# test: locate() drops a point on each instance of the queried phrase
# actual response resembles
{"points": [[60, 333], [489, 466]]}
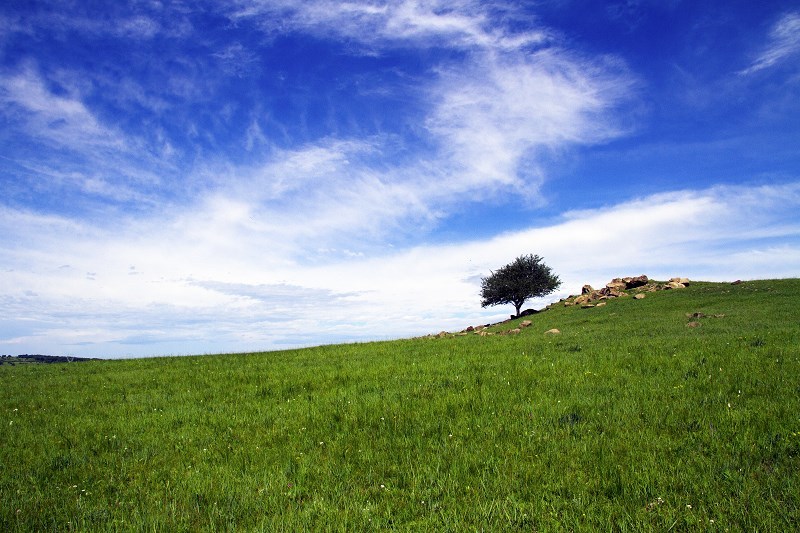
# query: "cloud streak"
{"points": [[783, 44], [376, 25]]}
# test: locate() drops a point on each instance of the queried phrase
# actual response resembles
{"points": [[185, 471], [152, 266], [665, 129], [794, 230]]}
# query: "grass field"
{"points": [[627, 420]]}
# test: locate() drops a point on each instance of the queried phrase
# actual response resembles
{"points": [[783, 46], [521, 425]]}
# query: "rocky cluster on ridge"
{"points": [[636, 287], [617, 287]]}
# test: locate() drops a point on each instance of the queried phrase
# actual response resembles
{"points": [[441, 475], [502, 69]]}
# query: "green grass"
{"points": [[627, 420]]}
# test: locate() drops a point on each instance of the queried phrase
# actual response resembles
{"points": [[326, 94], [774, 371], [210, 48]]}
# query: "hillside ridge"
{"points": [[637, 287]]}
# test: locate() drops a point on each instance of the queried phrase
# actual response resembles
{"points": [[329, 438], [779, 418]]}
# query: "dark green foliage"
{"points": [[526, 277]]}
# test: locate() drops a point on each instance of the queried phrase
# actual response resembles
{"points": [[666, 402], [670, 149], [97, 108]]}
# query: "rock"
{"points": [[469, 329], [515, 331], [442, 334], [528, 312], [693, 325], [638, 281], [601, 304], [553, 331], [703, 315], [611, 293], [737, 282], [617, 287], [525, 323], [617, 284]]}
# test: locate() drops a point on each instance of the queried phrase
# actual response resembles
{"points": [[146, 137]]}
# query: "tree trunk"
{"points": [[518, 306]]}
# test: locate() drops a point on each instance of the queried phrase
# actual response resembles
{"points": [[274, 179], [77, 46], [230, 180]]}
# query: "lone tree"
{"points": [[527, 277]]}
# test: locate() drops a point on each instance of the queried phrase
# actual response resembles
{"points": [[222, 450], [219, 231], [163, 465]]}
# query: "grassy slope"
{"points": [[627, 420]]}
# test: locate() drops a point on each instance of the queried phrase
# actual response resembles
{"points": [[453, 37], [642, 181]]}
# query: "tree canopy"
{"points": [[526, 277]]}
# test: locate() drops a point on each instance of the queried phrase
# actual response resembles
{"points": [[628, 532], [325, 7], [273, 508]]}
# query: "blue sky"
{"points": [[206, 177]]}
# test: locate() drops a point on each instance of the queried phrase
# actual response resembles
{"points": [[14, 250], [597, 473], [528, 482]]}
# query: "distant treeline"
{"points": [[37, 358]]}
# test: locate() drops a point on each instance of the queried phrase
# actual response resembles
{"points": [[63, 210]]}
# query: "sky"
{"points": [[244, 175]]}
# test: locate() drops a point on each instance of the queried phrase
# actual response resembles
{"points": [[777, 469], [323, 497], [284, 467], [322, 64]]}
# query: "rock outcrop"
{"points": [[619, 288], [589, 298]]}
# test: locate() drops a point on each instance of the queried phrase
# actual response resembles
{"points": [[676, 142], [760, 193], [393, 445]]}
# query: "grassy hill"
{"points": [[627, 419]]}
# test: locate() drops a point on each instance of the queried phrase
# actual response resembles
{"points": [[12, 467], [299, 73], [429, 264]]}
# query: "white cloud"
{"points": [[69, 147], [459, 23], [487, 118], [137, 27], [492, 114], [127, 22], [783, 43], [488, 122], [227, 286], [64, 120], [489, 115]]}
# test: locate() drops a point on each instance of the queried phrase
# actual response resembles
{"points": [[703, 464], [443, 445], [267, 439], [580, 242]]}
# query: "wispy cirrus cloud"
{"points": [[783, 43], [482, 117], [135, 21], [66, 145], [485, 117], [461, 24], [492, 116], [61, 119]]}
